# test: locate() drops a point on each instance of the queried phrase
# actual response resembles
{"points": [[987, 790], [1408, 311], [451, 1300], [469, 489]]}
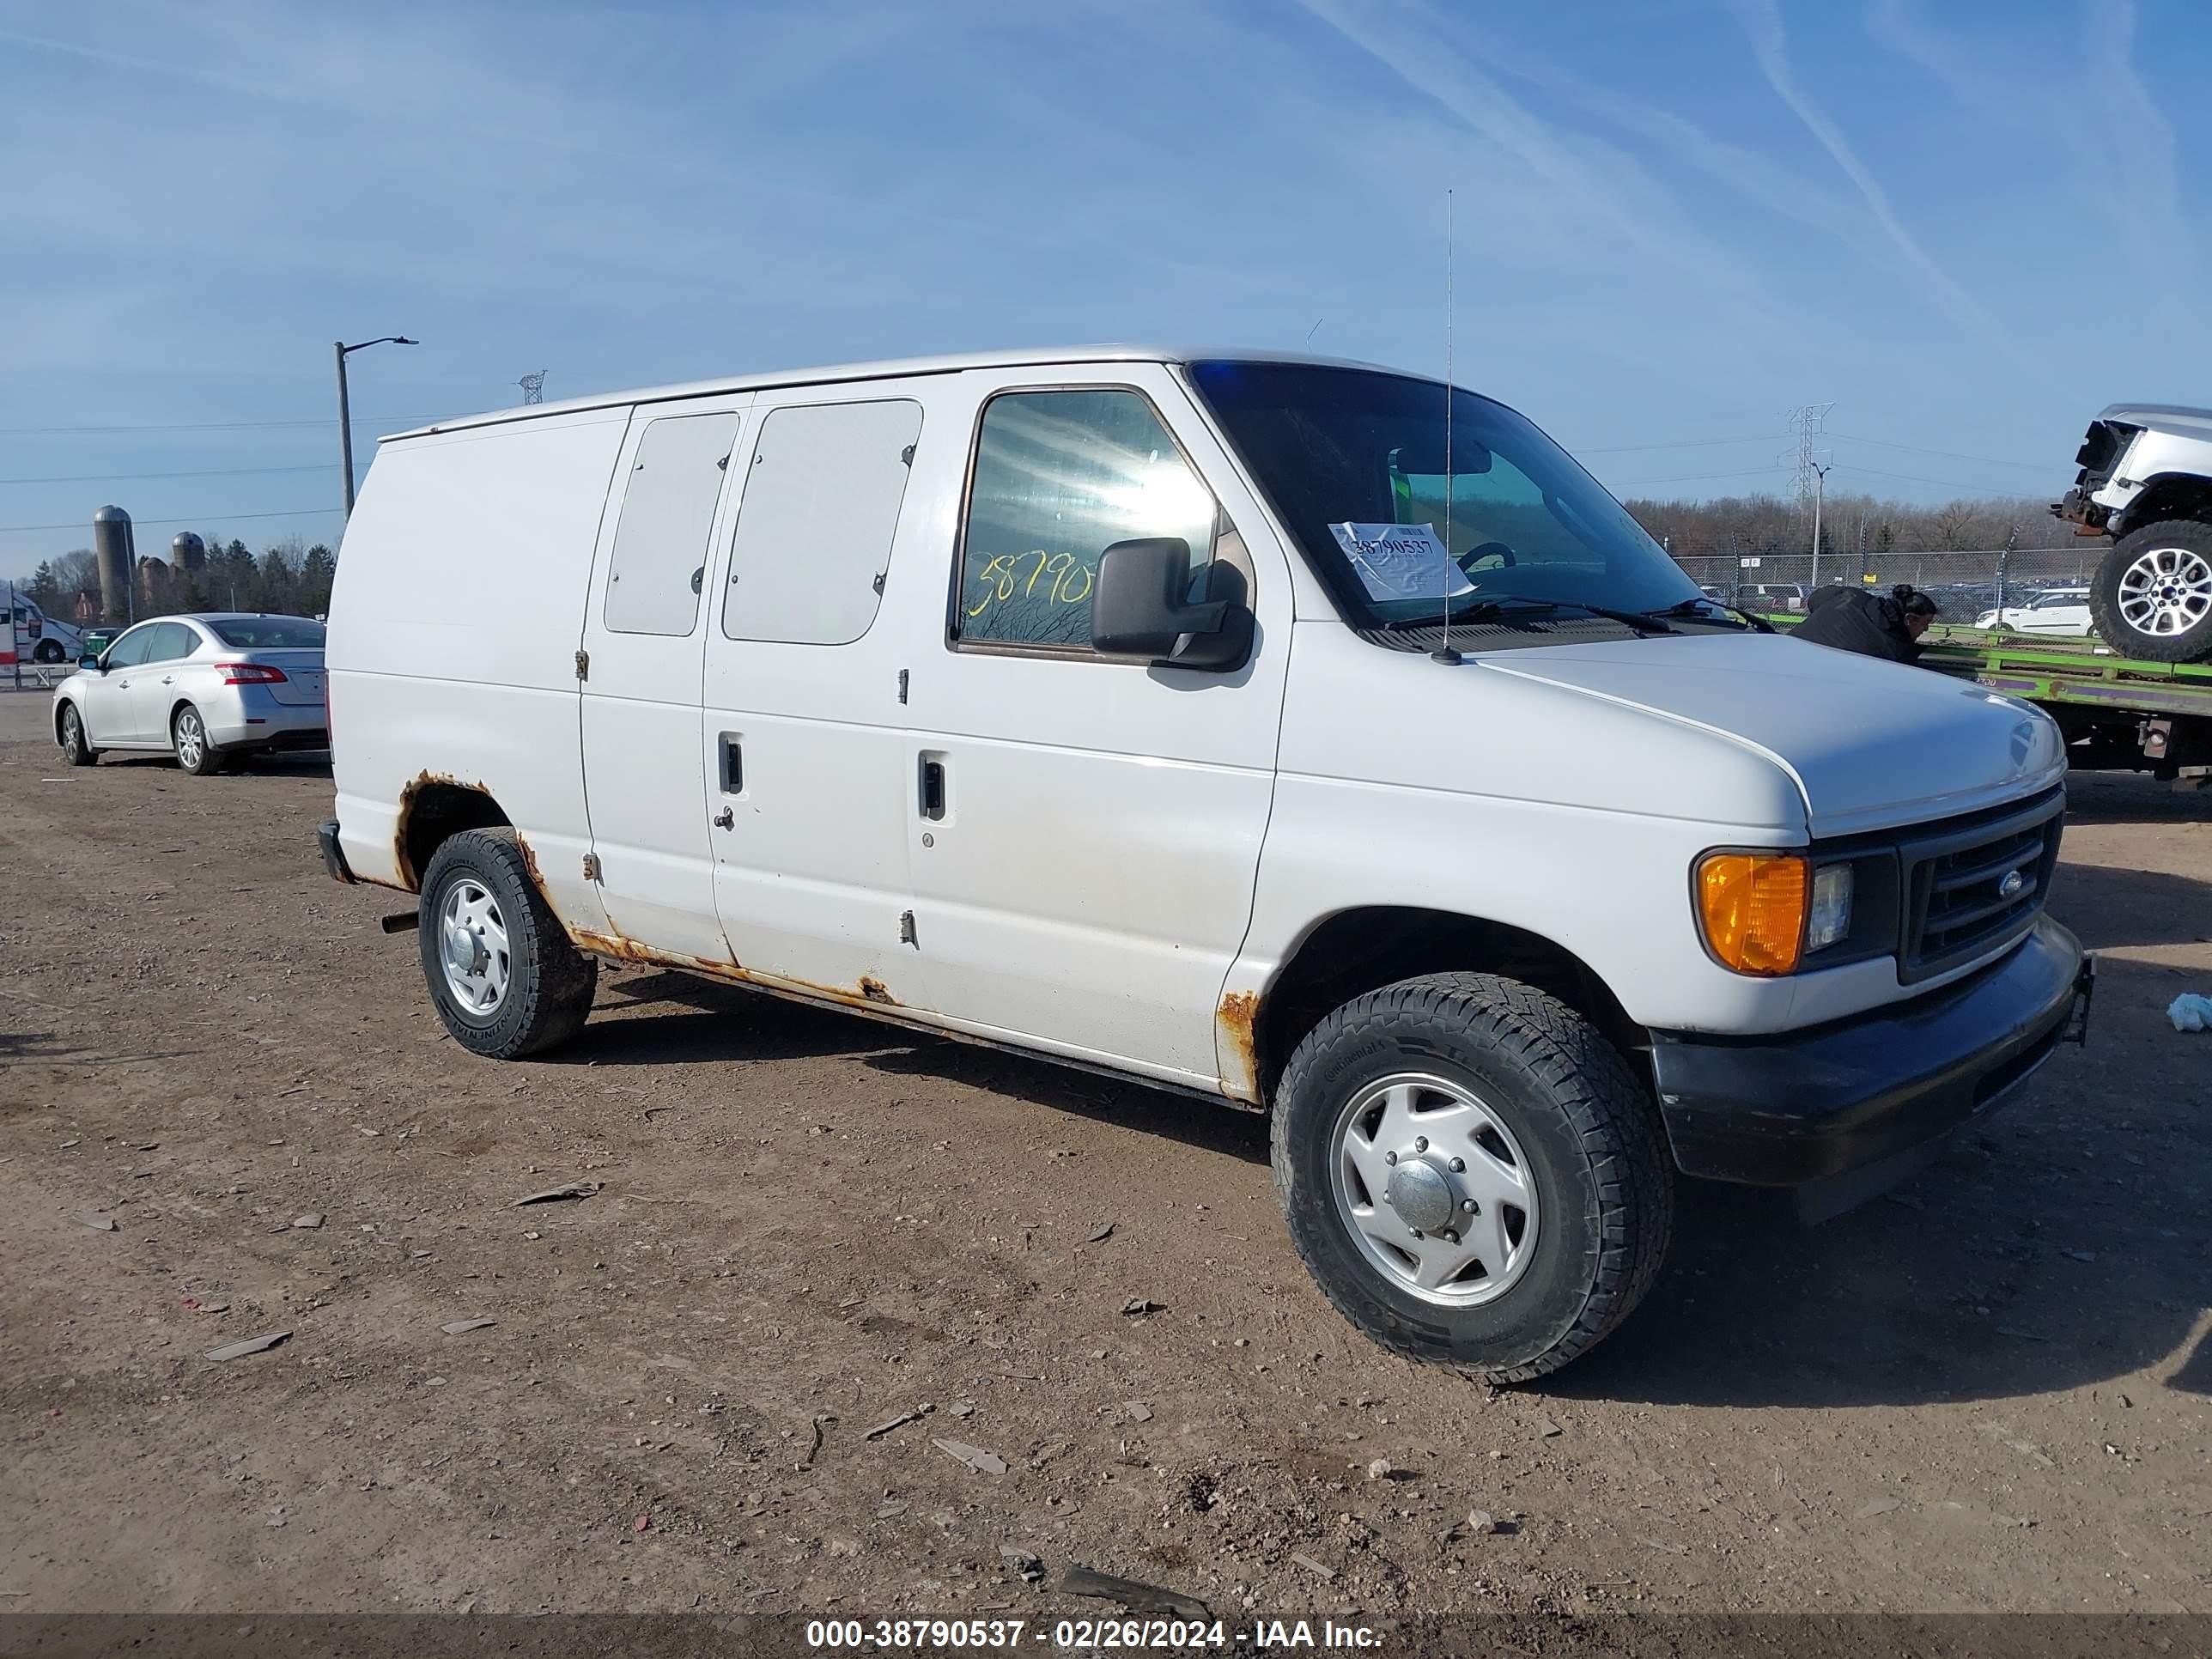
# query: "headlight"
{"points": [[1830, 920], [1751, 908]]}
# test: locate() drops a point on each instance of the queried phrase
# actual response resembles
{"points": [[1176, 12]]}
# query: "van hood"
{"points": [[1871, 744]]}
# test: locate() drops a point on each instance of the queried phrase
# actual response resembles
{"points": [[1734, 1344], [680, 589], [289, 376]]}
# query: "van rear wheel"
{"points": [[502, 975], [1471, 1174]]}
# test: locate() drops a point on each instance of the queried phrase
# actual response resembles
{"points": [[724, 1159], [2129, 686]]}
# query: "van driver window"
{"points": [[1060, 478], [667, 515]]}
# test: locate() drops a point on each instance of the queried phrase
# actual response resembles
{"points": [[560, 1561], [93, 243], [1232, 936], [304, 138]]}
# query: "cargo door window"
{"points": [[821, 505], [1061, 477], [667, 515]]}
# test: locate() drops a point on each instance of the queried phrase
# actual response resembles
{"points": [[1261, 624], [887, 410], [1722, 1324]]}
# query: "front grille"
{"points": [[1957, 906]]}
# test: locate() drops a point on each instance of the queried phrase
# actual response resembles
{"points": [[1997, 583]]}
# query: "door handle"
{"points": [[725, 818], [168, 679], [932, 787], [733, 765]]}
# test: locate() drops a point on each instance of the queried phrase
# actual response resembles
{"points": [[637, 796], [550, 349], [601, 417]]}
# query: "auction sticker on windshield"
{"points": [[1401, 561]]}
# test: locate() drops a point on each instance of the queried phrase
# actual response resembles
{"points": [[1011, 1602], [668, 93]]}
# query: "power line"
{"points": [[1687, 443], [210, 472], [1946, 483], [192, 518], [1692, 477], [1948, 454]]}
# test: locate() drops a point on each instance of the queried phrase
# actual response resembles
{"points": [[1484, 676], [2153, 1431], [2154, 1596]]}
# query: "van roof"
{"points": [[895, 368]]}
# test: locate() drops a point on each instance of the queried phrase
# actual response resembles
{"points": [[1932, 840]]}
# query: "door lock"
{"points": [[725, 818]]}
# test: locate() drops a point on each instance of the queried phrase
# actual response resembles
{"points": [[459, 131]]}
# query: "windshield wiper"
{"points": [[1691, 607], [1503, 607]]}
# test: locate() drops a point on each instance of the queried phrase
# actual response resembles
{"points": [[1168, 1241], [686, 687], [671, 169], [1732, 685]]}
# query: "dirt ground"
{"points": [[1987, 1391]]}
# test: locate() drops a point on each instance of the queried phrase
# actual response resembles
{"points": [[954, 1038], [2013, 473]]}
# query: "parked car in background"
{"points": [[40, 638], [2062, 610], [207, 687], [1772, 596]]}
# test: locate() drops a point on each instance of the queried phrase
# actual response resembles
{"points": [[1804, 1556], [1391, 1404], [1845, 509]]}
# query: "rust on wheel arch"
{"points": [[408, 874], [1237, 1026]]}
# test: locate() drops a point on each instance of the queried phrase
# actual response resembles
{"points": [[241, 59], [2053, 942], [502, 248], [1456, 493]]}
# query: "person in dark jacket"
{"points": [[1887, 625]]}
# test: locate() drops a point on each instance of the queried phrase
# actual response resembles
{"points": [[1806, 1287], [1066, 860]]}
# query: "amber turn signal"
{"points": [[1752, 908]]}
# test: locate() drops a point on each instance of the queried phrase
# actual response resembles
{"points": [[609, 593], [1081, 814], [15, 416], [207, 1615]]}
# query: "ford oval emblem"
{"points": [[2010, 886]]}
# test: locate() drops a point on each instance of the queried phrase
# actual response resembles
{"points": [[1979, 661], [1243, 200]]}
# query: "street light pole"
{"points": [[1820, 489], [345, 414]]}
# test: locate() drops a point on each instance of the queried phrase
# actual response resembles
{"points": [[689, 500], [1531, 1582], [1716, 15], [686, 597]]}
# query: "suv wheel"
{"points": [[2152, 594], [1471, 1174], [503, 976]]}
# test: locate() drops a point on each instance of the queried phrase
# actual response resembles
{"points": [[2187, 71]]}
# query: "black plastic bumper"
{"points": [[1814, 1105], [334, 859]]}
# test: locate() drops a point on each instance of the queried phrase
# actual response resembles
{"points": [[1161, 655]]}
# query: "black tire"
{"points": [[550, 982], [189, 741], [75, 747], [46, 651], [1593, 1144], [2188, 542]]}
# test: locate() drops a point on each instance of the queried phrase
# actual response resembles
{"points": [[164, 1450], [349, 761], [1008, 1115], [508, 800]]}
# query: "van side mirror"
{"points": [[1139, 608]]}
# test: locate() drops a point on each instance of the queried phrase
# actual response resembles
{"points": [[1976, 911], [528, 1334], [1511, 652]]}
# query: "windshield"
{"points": [[268, 633], [1353, 462]]}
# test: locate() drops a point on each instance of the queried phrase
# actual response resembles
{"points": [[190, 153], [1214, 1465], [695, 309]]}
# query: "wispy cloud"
{"points": [[1762, 26]]}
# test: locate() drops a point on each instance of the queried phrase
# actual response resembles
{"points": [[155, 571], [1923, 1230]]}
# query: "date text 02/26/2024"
{"points": [[1090, 1635]]}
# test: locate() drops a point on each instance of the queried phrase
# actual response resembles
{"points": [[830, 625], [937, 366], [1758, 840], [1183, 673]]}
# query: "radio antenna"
{"points": [[1444, 653]]}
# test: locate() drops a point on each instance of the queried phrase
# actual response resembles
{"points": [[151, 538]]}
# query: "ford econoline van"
{"points": [[1292, 733]]}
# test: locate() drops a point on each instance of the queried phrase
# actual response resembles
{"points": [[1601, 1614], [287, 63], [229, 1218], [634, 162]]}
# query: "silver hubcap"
{"points": [[191, 740], [2167, 591], [473, 944], [72, 734], [1435, 1189]]}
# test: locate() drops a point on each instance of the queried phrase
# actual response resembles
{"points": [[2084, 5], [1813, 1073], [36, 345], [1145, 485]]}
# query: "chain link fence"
{"points": [[1965, 584]]}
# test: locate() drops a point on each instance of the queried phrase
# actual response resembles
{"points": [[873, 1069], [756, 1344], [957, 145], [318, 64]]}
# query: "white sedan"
{"points": [[204, 687], [2062, 610]]}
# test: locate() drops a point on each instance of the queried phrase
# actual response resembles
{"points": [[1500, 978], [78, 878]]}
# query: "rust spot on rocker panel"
{"points": [[869, 993], [1235, 1026]]}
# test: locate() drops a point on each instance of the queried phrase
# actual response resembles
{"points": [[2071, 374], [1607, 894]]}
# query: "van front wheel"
{"points": [[1471, 1174], [504, 978]]}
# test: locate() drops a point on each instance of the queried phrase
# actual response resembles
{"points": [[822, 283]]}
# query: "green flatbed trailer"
{"points": [[2119, 714]]}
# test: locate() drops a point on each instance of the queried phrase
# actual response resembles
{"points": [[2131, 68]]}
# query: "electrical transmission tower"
{"points": [[533, 387], [1809, 420]]}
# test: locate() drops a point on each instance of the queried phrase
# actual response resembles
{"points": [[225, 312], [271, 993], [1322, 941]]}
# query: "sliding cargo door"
{"points": [[644, 637]]}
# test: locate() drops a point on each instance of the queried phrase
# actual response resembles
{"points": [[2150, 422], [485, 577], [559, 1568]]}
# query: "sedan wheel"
{"points": [[195, 753], [76, 748]]}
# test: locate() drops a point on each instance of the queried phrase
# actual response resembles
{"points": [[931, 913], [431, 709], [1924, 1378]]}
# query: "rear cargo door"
{"points": [[644, 635]]}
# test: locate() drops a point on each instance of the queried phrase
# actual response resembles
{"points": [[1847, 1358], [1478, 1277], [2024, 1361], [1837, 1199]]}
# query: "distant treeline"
{"points": [[287, 577], [290, 576], [1762, 524]]}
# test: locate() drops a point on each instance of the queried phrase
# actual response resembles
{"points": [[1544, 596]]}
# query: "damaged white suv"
{"points": [[2146, 481]]}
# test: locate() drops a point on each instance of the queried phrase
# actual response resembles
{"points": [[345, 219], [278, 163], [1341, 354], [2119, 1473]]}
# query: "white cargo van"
{"points": [[1103, 704]]}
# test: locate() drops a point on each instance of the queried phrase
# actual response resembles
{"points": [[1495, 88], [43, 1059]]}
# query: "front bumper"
{"points": [[1871, 1091]]}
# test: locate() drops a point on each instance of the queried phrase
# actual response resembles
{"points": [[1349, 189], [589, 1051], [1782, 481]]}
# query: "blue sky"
{"points": [[1970, 223]]}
